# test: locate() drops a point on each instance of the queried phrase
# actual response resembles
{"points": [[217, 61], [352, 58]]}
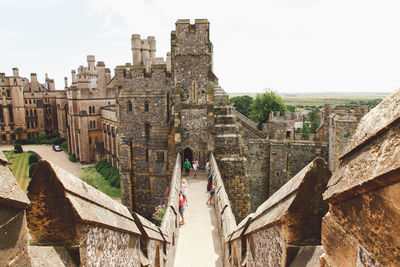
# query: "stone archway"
{"points": [[188, 154]]}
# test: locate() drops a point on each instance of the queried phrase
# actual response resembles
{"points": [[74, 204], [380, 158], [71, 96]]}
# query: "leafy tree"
{"points": [[33, 159], [32, 168], [291, 108], [18, 148], [315, 120], [263, 105], [242, 104], [305, 130]]}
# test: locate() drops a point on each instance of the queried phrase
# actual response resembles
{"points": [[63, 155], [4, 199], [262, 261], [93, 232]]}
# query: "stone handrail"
{"points": [[223, 210], [251, 124]]}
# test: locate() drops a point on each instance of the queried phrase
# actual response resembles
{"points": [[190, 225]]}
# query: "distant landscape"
{"points": [[319, 99]]}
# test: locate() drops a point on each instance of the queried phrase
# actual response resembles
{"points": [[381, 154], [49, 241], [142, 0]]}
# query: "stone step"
{"points": [[221, 129], [223, 110], [225, 119]]}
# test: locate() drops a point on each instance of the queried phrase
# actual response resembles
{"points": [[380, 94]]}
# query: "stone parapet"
{"points": [[285, 228], [13, 228], [223, 210], [362, 226], [69, 218]]}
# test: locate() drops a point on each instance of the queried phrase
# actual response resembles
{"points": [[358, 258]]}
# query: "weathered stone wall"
{"points": [[362, 226], [258, 171], [270, 164], [106, 247]]}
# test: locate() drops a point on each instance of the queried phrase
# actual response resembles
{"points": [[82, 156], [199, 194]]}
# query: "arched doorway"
{"points": [[188, 154]]}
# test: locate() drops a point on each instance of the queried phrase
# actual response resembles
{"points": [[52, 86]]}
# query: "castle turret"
{"points": [[15, 72], [73, 74], [91, 59], [101, 75], [152, 46], [108, 75], [145, 51], [66, 82], [33, 78], [136, 49], [169, 61]]}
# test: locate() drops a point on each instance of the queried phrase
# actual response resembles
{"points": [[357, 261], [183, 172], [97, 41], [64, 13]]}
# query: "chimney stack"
{"points": [[136, 47]]}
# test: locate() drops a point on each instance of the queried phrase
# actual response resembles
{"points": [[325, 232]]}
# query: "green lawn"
{"points": [[92, 177], [18, 164]]}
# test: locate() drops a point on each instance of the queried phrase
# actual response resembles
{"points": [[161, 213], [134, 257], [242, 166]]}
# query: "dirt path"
{"points": [[46, 152], [199, 243]]}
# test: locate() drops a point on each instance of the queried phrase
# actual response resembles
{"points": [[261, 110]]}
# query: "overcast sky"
{"points": [[284, 45]]}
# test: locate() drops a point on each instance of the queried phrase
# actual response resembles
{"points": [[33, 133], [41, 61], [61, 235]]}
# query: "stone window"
{"points": [[30, 112], [8, 93], [91, 124], [129, 106], [27, 124], [34, 101], [26, 113], [12, 137], [35, 124], [1, 114], [90, 140], [32, 124], [147, 155], [146, 106], [94, 124], [4, 137], [147, 131], [30, 101], [93, 110], [160, 157], [10, 114], [34, 112], [26, 101], [90, 109]]}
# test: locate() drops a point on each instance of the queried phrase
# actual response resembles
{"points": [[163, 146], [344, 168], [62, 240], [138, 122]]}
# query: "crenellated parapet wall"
{"points": [[284, 230], [223, 210], [73, 224], [362, 227], [170, 222]]}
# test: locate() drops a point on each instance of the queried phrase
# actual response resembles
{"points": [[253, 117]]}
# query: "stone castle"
{"points": [[152, 115]]}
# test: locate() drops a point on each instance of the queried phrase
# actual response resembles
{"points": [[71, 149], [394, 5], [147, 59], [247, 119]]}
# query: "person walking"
{"points": [[184, 189], [209, 182], [212, 191], [187, 167], [181, 208], [195, 169]]}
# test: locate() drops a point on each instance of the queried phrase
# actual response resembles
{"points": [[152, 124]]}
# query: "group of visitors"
{"points": [[187, 167], [183, 200]]}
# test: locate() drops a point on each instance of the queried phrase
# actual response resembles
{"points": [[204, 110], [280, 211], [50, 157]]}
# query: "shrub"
{"points": [[64, 146], [32, 168], [18, 148], [72, 157], [33, 159]]}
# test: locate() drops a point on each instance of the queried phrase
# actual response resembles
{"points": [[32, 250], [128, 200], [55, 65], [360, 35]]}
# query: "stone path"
{"points": [[199, 243], [46, 152]]}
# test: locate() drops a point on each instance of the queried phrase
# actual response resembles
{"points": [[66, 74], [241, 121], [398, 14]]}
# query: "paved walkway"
{"points": [[46, 152], [198, 243]]}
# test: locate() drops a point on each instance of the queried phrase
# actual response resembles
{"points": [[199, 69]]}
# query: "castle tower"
{"points": [[191, 67]]}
